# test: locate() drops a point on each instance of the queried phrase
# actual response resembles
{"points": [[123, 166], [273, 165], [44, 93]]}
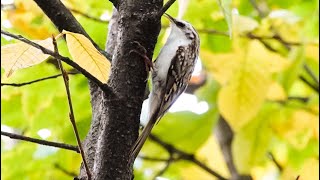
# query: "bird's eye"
{"points": [[180, 24]]}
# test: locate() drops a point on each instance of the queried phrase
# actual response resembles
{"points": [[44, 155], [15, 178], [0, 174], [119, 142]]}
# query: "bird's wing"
{"points": [[179, 73], [176, 81]]}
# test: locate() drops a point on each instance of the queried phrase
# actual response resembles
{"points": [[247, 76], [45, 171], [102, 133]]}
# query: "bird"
{"points": [[171, 72]]}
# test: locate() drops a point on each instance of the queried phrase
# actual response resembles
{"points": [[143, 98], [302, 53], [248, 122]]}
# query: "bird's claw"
{"points": [[141, 51]]}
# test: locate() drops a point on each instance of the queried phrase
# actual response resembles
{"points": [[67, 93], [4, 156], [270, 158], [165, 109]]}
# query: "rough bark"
{"points": [[138, 21], [98, 113]]}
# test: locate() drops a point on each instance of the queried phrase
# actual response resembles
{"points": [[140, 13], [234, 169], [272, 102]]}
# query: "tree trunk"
{"points": [[115, 121]]}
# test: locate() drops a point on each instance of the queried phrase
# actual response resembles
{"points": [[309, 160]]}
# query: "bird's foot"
{"points": [[141, 51]]}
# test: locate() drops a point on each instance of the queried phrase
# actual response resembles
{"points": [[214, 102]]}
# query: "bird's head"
{"points": [[182, 27]]}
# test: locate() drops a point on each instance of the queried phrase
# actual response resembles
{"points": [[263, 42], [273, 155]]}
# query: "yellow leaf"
{"points": [[253, 140], [224, 65], [220, 66], [298, 128], [246, 76], [21, 55], [263, 172], [310, 170], [273, 62], [312, 52], [23, 18], [304, 126], [241, 99], [87, 56], [276, 92]]}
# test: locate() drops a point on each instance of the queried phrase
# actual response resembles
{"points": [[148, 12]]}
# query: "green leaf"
{"points": [[11, 112], [196, 127], [225, 5], [251, 143], [291, 74]]}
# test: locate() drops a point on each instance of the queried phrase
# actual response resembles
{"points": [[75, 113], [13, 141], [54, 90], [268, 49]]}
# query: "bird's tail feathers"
{"points": [[153, 109], [142, 139]]}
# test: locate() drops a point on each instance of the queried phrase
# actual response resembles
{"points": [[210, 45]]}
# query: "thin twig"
{"points": [[39, 141], [153, 159], [293, 98], [185, 156], [206, 168], [213, 31], [34, 81], [115, 3], [311, 85], [311, 74], [71, 113], [72, 174], [257, 8], [297, 98], [273, 159], [166, 7], [275, 37], [103, 86], [88, 16], [167, 165]]}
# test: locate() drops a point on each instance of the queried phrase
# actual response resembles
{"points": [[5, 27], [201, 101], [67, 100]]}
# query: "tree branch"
{"points": [[185, 156], [166, 7], [39, 141], [213, 31], [57, 166], [71, 113], [273, 159], [294, 98], [115, 3], [35, 81], [103, 86], [311, 85], [311, 74], [163, 170], [153, 159], [258, 9], [224, 135], [275, 37], [88, 16]]}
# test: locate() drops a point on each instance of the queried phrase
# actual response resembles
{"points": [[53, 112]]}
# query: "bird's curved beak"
{"points": [[171, 19]]}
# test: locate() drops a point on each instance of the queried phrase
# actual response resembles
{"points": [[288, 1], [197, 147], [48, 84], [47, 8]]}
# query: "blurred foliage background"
{"points": [[256, 60]]}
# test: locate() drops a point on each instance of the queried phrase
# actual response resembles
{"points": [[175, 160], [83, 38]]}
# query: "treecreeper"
{"points": [[171, 72]]}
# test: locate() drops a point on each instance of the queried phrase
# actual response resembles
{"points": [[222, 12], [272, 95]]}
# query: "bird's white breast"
{"points": [[168, 51]]}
